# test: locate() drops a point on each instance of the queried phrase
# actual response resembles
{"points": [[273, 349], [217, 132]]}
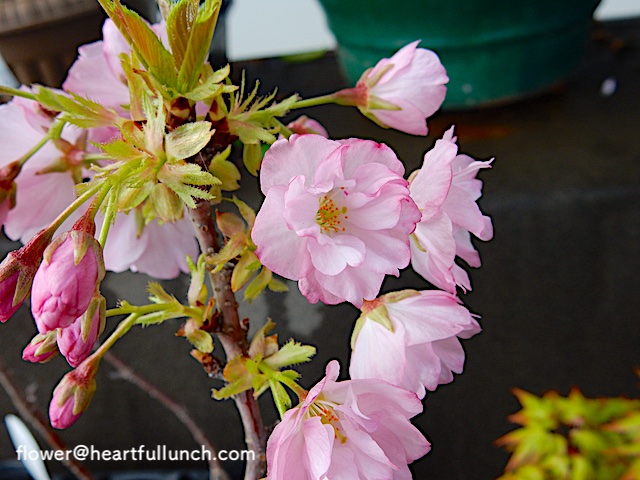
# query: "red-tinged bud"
{"points": [[17, 271], [304, 124], [73, 395], [41, 349], [65, 283]]}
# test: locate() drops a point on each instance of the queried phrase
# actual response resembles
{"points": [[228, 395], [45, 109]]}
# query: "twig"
{"points": [[32, 415], [216, 472], [233, 338]]}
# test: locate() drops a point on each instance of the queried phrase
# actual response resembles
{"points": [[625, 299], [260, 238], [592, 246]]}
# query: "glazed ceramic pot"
{"points": [[494, 51]]}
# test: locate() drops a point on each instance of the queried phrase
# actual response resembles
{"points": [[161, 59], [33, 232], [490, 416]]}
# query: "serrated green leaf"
{"points": [[252, 157], [581, 468], [179, 25], [234, 247], [156, 318], [248, 213], [187, 140], [277, 286], [233, 388], [291, 353], [226, 171], [229, 223], [77, 110], [257, 285], [280, 397], [157, 294], [155, 58], [198, 44], [244, 270], [201, 340]]}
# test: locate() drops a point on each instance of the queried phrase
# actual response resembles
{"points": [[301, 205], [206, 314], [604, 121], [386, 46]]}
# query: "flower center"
{"points": [[330, 216], [324, 410]]}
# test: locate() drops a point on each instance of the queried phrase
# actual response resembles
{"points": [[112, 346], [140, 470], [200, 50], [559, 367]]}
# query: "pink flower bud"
{"points": [[61, 415], [77, 340], [41, 349], [17, 271], [304, 124], [73, 395], [7, 292], [66, 281]]}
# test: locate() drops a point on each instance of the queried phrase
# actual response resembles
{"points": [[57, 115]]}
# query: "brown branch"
{"points": [[32, 415], [216, 472], [233, 338]]}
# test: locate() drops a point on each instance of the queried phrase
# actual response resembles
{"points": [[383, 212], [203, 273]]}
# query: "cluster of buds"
{"points": [[338, 217], [62, 276]]}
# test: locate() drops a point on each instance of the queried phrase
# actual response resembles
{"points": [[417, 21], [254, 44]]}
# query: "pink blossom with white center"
{"points": [[39, 197], [446, 190], [410, 339], [337, 216], [158, 250], [62, 289], [347, 430], [401, 92]]}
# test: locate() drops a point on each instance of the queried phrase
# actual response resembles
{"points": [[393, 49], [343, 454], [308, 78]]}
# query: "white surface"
{"points": [[617, 9], [260, 28]]}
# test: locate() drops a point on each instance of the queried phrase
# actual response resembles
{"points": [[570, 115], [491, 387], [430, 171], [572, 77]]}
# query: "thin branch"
{"points": [[32, 415], [233, 337], [216, 472]]}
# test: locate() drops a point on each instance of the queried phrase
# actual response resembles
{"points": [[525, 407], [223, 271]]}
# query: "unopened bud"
{"points": [[65, 283], [304, 124], [41, 349], [78, 339], [73, 395], [17, 271]]}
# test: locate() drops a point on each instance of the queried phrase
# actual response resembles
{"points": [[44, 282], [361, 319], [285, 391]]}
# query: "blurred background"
{"points": [[557, 292]]}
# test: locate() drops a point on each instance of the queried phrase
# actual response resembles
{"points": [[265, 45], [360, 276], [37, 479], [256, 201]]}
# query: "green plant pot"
{"points": [[494, 50]]}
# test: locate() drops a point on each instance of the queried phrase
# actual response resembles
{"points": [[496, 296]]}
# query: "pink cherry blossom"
{"points": [[158, 250], [98, 73], [336, 217], [39, 197], [418, 348], [446, 190], [401, 92], [62, 289], [347, 430]]}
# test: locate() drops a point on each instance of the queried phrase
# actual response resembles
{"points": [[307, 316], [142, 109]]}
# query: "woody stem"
{"points": [[233, 338]]}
